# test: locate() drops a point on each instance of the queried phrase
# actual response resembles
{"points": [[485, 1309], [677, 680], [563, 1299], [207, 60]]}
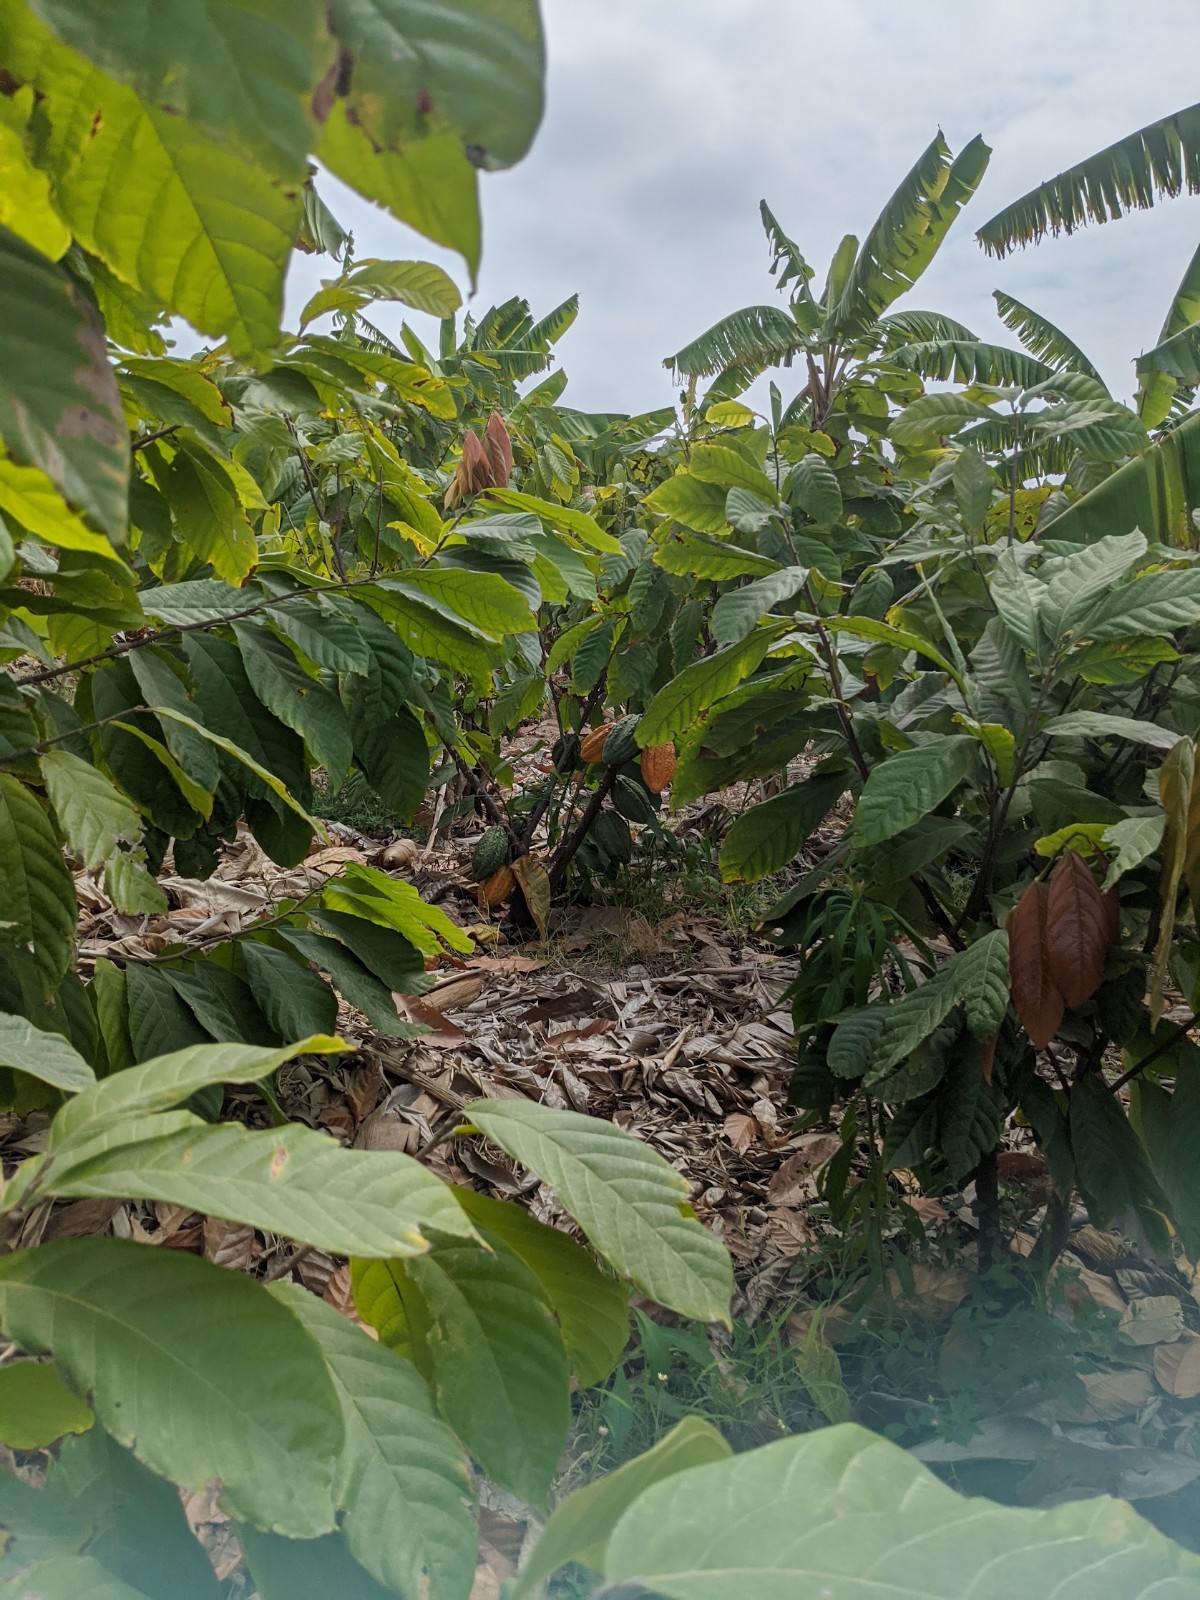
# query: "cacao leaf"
{"points": [[1077, 930], [1036, 998]]}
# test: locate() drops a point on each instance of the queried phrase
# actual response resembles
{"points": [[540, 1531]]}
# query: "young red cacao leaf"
{"points": [[499, 451], [1077, 930], [1035, 997], [476, 469]]}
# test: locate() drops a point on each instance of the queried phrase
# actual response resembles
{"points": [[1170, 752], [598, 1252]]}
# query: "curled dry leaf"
{"points": [[497, 888], [1076, 930], [1037, 1000], [592, 748], [658, 766], [534, 881], [229, 1244]]}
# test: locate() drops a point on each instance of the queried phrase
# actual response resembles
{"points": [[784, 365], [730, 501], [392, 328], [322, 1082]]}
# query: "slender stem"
{"points": [[73, 733], [159, 433], [471, 779], [1172, 1039], [571, 844], [156, 635]]}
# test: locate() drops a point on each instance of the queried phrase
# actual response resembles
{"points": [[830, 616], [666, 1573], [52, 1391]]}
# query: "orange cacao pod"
{"points": [[592, 748], [658, 766], [498, 887]]}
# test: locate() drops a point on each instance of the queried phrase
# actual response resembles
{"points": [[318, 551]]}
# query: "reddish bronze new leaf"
{"points": [[1077, 930], [476, 467], [1035, 997], [499, 451]]}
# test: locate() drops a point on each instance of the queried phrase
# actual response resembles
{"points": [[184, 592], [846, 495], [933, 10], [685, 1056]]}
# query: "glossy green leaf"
{"points": [[846, 1512], [189, 1395], [738, 611], [908, 785], [580, 1526], [677, 706], [768, 836], [981, 983], [306, 706], [631, 1204], [94, 815], [592, 1308], [401, 1479], [478, 1326], [36, 890], [36, 1407], [46, 1056], [60, 411]]}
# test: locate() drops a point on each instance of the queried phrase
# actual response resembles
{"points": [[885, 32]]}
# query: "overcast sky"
{"points": [[668, 120]]}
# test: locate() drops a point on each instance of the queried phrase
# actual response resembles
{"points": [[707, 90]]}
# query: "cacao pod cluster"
{"points": [[1058, 936], [485, 463]]}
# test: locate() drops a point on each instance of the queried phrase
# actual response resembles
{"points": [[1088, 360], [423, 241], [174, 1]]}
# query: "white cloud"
{"points": [[668, 120]]}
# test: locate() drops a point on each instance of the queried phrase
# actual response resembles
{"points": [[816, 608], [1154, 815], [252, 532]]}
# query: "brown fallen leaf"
{"points": [[229, 1244], [936, 1291], [443, 1034], [455, 992], [1177, 1366], [574, 1035], [1111, 1395], [740, 1129]]}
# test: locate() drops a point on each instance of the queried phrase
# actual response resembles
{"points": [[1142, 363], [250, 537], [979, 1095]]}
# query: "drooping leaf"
{"points": [[677, 706], [60, 411], [401, 1479], [908, 785], [580, 1526], [1077, 930], [768, 836], [94, 815], [306, 1569], [592, 1308], [1035, 996], [478, 1326], [756, 338], [1176, 782], [981, 982], [301, 702], [1110, 1160], [1162, 158], [36, 890], [45, 1056], [188, 1395], [1039, 335], [629, 1202], [844, 1510]]}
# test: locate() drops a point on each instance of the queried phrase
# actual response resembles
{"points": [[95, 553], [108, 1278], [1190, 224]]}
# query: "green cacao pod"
{"points": [[611, 834], [565, 754], [630, 799], [491, 853], [621, 744]]}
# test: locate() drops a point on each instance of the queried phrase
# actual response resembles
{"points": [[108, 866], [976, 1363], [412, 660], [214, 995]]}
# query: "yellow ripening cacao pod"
{"points": [[592, 748], [658, 766], [497, 888]]}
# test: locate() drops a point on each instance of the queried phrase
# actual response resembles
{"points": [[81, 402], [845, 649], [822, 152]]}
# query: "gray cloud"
{"points": [[668, 120]]}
